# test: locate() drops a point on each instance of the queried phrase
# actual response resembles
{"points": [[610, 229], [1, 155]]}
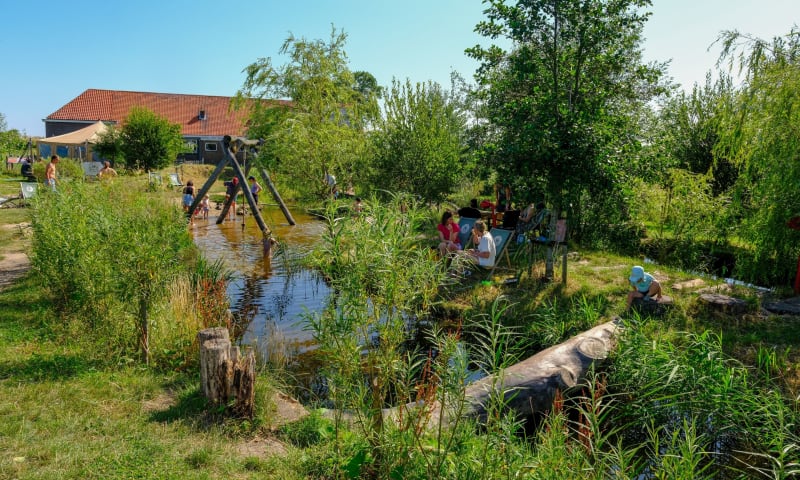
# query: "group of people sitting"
{"points": [[533, 218], [484, 252]]}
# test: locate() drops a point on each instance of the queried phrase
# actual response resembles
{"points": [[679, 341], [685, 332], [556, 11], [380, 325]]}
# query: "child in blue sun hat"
{"points": [[644, 286]]}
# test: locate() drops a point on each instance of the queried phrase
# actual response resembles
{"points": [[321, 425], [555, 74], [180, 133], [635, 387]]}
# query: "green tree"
{"points": [[688, 131], [565, 99], [149, 141], [322, 128], [761, 133], [109, 145], [420, 142], [11, 142]]}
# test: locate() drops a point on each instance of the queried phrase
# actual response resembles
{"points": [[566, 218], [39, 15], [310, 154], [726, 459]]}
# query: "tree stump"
{"points": [[723, 303], [224, 374]]}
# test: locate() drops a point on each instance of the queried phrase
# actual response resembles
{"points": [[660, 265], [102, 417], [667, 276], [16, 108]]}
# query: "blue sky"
{"points": [[54, 50]]}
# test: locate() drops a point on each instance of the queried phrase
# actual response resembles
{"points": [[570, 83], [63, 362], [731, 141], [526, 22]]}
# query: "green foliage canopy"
{"points": [[563, 100], [11, 142], [418, 148], [761, 133], [145, 141]]}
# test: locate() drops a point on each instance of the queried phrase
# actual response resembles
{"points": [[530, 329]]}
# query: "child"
{"points": [[205, 207], [255, 188], [644, 286]]}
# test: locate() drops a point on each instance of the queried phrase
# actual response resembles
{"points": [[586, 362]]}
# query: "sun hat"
{"points": [[637, 273]]}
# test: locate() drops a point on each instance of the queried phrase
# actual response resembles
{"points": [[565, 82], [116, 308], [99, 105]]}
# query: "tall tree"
{"points": [[762, 135], [321, 129], [563, 99], [419, 145]]}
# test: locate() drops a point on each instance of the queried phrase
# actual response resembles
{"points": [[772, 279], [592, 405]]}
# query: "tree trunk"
{"points": [[530, 386]]}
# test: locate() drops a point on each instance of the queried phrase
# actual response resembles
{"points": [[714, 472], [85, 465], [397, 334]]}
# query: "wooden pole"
{"points": [[248, 195], [276, 195]]}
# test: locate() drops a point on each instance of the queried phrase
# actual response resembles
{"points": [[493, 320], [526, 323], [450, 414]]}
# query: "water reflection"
{"points": [[278, 293]]}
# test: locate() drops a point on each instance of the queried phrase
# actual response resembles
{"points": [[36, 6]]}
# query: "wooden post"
{"points": [[276, 195], [215, 364]]}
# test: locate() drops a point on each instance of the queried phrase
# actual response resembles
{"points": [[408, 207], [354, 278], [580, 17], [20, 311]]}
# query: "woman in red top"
{"points": [[448, 234]]}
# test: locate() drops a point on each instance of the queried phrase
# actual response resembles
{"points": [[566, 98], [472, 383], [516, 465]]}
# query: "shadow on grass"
{"points": [[37, 368], [192, 409]]}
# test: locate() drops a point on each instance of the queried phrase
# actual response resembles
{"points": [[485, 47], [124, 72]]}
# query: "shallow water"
{"points": [[280, 293]]}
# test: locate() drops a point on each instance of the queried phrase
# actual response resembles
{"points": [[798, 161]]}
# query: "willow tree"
{"points": [[762, 135], [311, 112], [563, 100]]}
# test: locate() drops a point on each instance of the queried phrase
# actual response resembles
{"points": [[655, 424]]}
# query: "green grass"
{"points": [[68, 415]]}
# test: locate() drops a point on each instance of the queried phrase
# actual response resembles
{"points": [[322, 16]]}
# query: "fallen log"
{"points": [[528, 387]]}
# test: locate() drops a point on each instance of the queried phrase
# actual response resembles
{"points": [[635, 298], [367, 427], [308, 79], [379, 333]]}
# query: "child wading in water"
{"points": [[205, 207]]}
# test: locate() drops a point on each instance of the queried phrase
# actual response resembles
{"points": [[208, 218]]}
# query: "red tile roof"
{"points": [[114, 105]]}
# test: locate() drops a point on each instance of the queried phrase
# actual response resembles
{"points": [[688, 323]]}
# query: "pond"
{"points": [[278, 294]]}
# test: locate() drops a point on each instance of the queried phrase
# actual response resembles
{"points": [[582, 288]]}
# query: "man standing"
{"points": [[50, 172]]}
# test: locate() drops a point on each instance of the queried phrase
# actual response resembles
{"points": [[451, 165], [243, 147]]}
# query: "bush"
{"points": [[106, 256]]}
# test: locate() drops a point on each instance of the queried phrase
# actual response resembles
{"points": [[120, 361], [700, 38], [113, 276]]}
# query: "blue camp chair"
{"points": [[465, 230], [501, 238]]}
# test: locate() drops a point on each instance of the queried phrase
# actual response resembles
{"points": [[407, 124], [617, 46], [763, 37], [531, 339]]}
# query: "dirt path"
{"points": [[14, 263]]}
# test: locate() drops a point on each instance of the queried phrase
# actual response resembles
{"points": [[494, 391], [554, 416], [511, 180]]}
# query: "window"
{"points": [[211, 147]]}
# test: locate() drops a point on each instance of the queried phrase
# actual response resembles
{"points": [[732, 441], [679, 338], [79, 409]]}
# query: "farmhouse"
{"points": [[204, 119]]}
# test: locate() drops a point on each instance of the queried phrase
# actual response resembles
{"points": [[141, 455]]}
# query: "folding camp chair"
{"points": [[501, 238], [28, 190], [465, 230], [154, 178], [175, 180]]}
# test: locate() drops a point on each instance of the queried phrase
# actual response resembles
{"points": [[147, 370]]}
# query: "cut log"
{"points": [[530, 386]]}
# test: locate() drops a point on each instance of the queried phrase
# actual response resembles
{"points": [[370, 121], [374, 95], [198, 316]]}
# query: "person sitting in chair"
{"points": [[448, 234], [471, 211], [531, 218], [27, 170], [486, 251]]}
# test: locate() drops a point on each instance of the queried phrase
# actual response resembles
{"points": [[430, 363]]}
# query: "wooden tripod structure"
{"points": [[231, 146]]}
